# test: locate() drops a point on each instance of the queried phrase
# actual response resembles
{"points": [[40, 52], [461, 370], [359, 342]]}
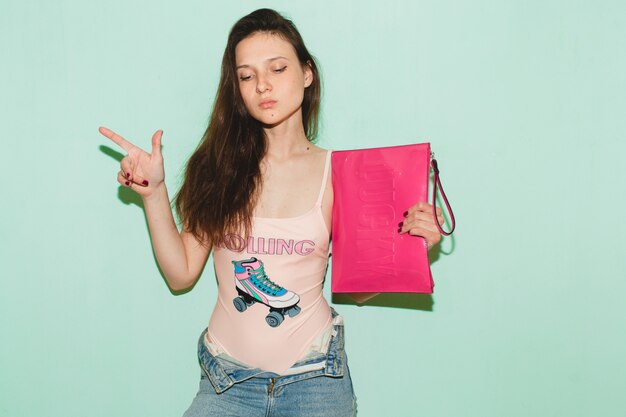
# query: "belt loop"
{"points": [[212, 369], [334, 357]]}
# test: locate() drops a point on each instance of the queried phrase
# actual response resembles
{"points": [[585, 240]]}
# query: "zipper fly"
{"points": [[271, 387]]}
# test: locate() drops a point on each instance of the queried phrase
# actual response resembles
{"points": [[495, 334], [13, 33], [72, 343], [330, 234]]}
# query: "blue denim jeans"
{"points": [[229, 388]]}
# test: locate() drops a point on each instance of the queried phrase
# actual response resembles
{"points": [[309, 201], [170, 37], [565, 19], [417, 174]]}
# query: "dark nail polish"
{"points": [[400, 224], [399, 230], [128, 175], [406, 213], [127, 183], [145, 182]]}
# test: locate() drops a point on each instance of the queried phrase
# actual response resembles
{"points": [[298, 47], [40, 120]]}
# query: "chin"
{"points": [[278, 117], [267, 120], [272, 121]]}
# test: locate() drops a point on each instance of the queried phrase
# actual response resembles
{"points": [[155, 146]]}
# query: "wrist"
{"points": [[157, 193]]}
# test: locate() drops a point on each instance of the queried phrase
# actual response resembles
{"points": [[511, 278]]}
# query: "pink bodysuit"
{"points": [[270, 305]]}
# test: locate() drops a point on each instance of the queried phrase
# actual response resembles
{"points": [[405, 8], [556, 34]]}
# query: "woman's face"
{"points": [[271, 79]]}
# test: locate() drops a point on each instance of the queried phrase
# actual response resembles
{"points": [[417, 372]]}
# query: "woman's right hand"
{"points": [[140, 170]]}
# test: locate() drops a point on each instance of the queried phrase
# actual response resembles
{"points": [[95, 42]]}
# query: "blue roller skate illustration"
{"points": [[253, 286]]}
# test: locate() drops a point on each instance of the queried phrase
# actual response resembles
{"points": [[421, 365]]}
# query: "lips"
{"points": [[266, 104]]}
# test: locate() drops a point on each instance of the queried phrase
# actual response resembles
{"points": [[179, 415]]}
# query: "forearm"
{"points": [[166, 239]]}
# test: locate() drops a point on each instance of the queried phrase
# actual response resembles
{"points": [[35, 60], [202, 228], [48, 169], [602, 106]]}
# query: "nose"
{"points": [[263, 85]]}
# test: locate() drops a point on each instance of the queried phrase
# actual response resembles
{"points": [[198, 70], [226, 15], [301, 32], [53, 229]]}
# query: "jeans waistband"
{"points": [[224, 372]]}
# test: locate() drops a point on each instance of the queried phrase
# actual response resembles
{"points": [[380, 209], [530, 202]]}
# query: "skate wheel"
{"points": [[274, 319], [293, 311], [240, 304]]}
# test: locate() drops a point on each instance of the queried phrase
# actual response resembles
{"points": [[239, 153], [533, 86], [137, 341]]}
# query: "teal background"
{"points": [[524, 102]]}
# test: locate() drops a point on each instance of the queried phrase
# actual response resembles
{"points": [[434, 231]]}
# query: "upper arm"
{"points": [[197, 253]]}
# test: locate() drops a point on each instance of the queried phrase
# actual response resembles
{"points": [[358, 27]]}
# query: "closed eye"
{"points": [[249, 77]]}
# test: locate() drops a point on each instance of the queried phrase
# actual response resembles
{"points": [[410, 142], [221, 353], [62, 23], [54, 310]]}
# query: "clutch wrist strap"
{"points": [[437, 184]]}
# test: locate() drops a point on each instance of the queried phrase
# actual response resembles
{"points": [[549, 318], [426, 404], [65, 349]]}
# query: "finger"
{"points": [[123, 143], [139, 180], [421, 230], [122, 179], [156, 143], [418, 207], [128, 166], [431, 238], [423, 207], [420, 215], [128, 172], [426, 216], [414, 224]]}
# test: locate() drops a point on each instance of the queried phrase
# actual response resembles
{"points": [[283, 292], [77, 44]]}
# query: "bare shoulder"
{"points": [[327, 200], [311, 160], [316, 152]]}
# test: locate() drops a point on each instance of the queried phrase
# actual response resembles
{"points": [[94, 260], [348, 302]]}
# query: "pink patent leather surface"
{"points": [[372, 190]]}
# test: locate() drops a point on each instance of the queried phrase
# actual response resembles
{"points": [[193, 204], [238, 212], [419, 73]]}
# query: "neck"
{"points": [[287, 138]]}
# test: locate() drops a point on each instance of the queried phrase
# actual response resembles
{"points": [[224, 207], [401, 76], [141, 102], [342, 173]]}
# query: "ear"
{"points": [[308, 74]]}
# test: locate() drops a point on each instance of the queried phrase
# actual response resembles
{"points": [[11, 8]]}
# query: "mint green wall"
{"points": [[524, 102]]}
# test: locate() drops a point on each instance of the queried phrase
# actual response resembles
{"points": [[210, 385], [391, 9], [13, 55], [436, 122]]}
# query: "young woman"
{"points": [[257, 192]]}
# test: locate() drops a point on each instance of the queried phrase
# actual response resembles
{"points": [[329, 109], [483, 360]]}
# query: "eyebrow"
{"points": [[267, 60]]}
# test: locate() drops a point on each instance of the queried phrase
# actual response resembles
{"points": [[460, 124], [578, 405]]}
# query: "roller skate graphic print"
{"points": [[254, 286]]}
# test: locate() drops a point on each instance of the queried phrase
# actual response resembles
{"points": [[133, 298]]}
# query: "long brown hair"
{"points": [[223, 175]]}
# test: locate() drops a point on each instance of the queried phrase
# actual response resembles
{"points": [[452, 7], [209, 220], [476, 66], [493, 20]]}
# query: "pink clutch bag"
{"points": [[372, 190]]}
